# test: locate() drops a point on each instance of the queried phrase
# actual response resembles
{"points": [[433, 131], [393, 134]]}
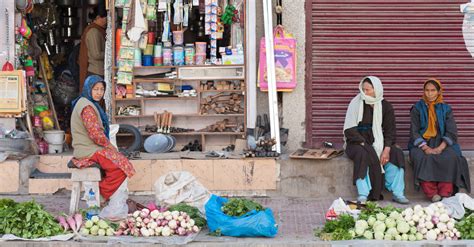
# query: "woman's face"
{"points": [[431, 92], [98, 91], [368, 89]]}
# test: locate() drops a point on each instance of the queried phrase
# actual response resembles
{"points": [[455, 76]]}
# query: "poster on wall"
{"points": [[11, 91]]}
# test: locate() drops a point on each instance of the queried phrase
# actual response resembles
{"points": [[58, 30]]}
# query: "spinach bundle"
{"points": [[239, 207]]}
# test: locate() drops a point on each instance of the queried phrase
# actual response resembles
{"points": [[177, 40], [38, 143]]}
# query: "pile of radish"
{"points": [[73, 223], [144, 223]]}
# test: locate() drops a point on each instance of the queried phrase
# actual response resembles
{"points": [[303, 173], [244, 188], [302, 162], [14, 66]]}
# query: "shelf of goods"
{"points": [[205, 102]]}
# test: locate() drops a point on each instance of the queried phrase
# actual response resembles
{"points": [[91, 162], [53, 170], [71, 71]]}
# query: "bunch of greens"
{"points": [[372, 209], [239, 207], [27, 220], [338, 229], [466, 225], [193, 212]]}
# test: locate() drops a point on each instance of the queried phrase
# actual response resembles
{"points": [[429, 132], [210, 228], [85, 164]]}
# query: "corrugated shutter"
{"points": [[403, 42]]}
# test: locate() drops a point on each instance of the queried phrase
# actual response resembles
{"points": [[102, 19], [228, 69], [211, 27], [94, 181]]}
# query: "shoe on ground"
{"points": [[436, 198], [362, 199], [401, 200]]}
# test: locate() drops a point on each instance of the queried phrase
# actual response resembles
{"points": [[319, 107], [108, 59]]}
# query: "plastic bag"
{"points": [[114, 128], [177, 187], [253, 224], [339, 207], [117, 208], [455, 205]]}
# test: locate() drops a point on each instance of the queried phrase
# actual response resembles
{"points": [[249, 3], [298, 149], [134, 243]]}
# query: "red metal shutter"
{"points": [[403, 42]]}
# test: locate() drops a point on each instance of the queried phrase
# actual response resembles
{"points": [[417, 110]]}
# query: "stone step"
{"points": [[232, 175]]}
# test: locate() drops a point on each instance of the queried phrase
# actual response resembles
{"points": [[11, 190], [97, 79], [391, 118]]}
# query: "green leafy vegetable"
{"points": [[27, 220], [372, 209], [239, 207], [193, 212], [338, 229]]}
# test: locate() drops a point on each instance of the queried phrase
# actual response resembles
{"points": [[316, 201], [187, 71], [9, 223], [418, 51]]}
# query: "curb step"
{"points": [[37, 174]]}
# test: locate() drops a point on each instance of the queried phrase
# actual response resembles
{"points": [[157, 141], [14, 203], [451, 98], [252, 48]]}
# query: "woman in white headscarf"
{"points": [[370, 136]]}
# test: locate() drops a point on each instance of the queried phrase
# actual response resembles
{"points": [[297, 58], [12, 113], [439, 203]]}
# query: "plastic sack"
{"points": [[114, 128], [177, 187], [117, 209], [455, 205], [339, 207], [252, 224], [285, 61]]}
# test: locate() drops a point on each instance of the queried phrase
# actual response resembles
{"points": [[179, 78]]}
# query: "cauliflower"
{"points": [[379, 235], [371, 220], [360, 227], [379, 227], [390, 222], [387, 237], [392, 231], [103, 225]]}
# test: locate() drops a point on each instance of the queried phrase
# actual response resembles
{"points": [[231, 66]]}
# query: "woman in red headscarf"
{"points": [[439, 167]]}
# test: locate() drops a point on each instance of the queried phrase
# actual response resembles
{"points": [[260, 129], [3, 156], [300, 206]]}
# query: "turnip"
{"points": [[144, 232], [168, 217], [448, 238], [136, 214], [145, 212], [195, 228], [146, 221], [184, 224], [435, 219], [411, 223], [429, 225], [424, 231], [440, 237], [138, 219], [101, 232], [160, 216], [110, 232], [158, 231], [154, 214], [85, 231], [166, 231], [164, 223], [181, 231], [180, 218], [89, 224], [119, 232], [191, 222], [78, 219], [172, 224], [442, 226], [444, 218], [95, 219], [431, 235], [405, 237]]}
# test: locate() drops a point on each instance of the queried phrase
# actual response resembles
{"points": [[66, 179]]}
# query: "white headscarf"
{"points": [[355, 112]]}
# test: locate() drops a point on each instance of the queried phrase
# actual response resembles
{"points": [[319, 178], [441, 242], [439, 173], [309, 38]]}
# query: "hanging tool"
{"points": [[7, 66]]}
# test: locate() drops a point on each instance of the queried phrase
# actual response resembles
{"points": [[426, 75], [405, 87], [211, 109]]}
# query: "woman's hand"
{"points": [[428, 150], [385, 156], [440, 148]]}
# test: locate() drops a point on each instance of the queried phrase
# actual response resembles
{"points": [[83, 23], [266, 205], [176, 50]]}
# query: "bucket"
{"points": [[55, 148], [55, 137]]}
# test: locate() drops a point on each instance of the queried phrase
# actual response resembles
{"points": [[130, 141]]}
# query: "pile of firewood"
{"points": [[221, 126], [222, 104]]}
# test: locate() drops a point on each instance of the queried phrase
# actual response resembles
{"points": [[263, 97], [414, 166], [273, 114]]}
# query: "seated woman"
{"points": [[90, 133], [436, 157], [370, 136]]}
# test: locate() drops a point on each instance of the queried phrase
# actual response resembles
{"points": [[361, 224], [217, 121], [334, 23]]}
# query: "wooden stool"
{"points": [[78, 176]]}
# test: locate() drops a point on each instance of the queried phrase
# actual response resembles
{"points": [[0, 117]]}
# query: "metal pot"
{"points": [[69, 21]]}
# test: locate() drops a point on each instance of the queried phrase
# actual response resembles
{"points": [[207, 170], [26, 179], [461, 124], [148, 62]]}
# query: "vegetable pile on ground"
{"points": [[27, 220], [73, 223], [338, 229], [193, 212], [97, 227], [144, 223], [466, 225], [390, 223], [239, 207]]}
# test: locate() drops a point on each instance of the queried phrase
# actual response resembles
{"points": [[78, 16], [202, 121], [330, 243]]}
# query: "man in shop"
{"points": [[91, 54]]}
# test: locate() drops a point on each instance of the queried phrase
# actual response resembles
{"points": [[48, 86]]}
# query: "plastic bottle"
{"points": [[92, 205]]}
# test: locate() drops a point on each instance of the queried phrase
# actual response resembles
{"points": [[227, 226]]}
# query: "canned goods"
{"points": [[167, 56], [189, 54], [178, 55], [201, 47]]}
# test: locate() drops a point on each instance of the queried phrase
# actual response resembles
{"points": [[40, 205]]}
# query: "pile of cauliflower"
{"points": [[417, 223]]}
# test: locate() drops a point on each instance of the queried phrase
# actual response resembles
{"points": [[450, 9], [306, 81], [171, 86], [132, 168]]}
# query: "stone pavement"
{"points": [[297, 217]]}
